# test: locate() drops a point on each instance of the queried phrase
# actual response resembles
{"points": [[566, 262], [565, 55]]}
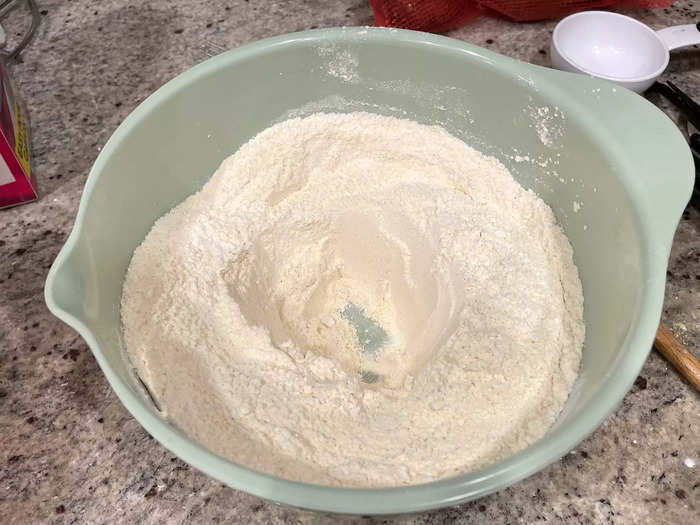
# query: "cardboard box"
{"points": [[17, 182]]}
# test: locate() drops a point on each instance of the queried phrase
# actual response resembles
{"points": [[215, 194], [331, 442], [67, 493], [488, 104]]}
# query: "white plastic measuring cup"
{"points": [[616, 47]]}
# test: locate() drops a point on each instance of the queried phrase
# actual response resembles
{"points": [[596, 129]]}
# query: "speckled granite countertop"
{"points": [[71, 453]]}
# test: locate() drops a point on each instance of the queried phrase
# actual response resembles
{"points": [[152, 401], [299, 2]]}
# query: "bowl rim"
{"points": [[377, 501]]}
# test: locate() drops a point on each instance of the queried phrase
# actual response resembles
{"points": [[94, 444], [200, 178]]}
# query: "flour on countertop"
{"points": [[241, 307]]}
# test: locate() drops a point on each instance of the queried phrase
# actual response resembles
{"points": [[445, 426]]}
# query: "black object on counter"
{"points": [[695, 148], [683, 102]]}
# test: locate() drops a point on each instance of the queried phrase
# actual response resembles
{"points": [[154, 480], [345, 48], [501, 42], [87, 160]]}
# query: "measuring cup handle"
{"points": [[680, 36]]}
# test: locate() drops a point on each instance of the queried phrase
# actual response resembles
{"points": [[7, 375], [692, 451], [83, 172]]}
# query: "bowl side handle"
{"points": [[64, 290], [659, 171]]}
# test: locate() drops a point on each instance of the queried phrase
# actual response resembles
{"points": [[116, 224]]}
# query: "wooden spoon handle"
{"points": [[683, 359]]}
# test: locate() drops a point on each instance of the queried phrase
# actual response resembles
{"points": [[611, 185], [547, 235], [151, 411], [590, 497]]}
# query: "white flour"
{"points": [[357, 300]]}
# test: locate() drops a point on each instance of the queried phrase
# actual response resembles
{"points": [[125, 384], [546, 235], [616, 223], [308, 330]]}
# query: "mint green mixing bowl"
{"points": [[614, 169]]}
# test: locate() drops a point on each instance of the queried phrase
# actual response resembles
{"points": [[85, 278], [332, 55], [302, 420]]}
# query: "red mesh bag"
{"points": [[442, 15]]}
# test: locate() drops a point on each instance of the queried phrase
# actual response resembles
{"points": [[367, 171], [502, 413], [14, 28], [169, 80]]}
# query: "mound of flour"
{"points": [[357, 300]]}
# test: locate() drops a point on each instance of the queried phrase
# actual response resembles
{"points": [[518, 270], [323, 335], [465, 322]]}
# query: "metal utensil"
{"points": [[5, 7]]}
